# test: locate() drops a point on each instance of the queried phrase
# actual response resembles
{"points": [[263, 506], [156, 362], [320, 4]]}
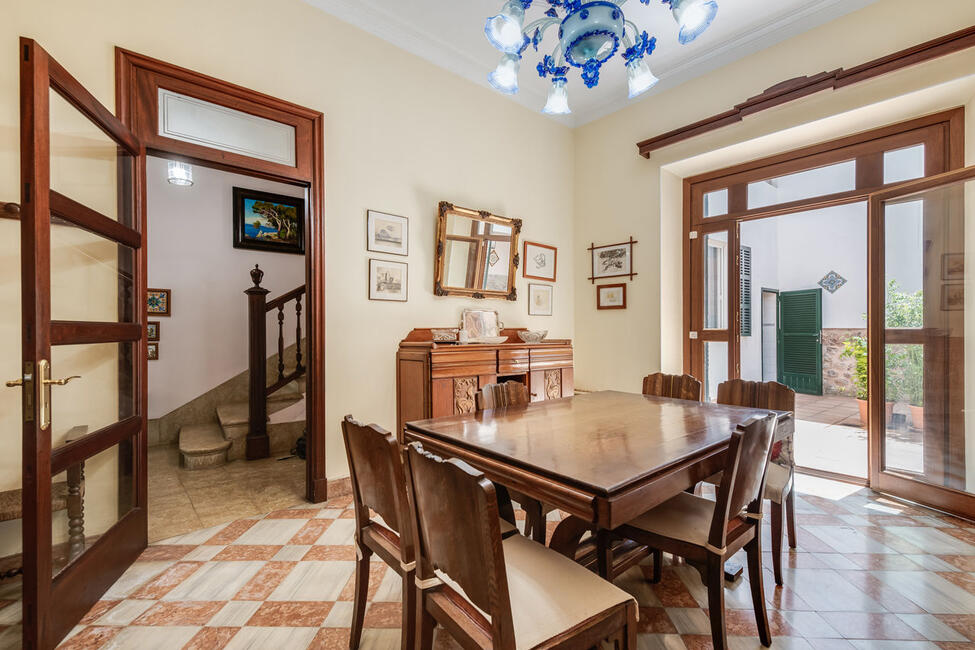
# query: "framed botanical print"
{"points": [[539, 261], [388, 280], [611, 296], [153, 349], [269, 222], [159, 302], [540, 299], [612, 260], [152, 330], [387, 233]]}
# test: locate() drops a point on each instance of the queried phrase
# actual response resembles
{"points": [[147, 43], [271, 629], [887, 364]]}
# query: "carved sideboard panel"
{"points": [[438, 379]]}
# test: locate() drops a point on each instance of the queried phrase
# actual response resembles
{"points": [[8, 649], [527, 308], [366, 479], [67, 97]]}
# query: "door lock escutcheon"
{"points": [[27, 381]]}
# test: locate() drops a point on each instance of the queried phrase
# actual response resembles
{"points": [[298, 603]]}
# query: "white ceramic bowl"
{"points": [[532, 336]]}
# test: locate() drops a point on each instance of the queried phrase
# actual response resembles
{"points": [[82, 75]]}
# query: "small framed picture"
{"points": [[387, 233], [269, 222], [539, 261], [159, 302], [540, 299], [387, 280], [152, 330], [952, 297], [953, 266], [153, 349], [612, 260], [611, 296]]}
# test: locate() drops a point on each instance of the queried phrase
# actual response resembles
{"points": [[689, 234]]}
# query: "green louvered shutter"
{"points": [[745, 289], [800, 340]]}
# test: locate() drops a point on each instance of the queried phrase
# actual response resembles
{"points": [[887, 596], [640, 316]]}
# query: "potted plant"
{"points": [[914, 383], [855, 348]]}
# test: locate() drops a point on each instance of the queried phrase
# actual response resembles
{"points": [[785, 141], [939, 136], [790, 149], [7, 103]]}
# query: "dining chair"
{"points": [[492, 593], [706, 533], [379, 486], [515, 393], [780, 484], [675, 386]]}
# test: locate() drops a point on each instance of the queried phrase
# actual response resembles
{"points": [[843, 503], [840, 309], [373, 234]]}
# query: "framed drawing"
{"points": [[159, 302], [387, 233], [612, 260], [152, 330], [153, 349], [269, 222], [952, 297], [387, 280], [539, 261], [611, 296], [953, 266], [540, 299]]}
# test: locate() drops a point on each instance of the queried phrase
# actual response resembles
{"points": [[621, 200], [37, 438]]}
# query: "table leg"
{"points": [[505, 509], [604, 553], [567, 535]]}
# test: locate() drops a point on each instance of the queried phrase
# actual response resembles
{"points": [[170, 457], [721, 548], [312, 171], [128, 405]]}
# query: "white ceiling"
{"points": [[450, 34]]}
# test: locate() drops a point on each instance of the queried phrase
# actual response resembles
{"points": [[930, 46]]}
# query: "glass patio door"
{"points": [[83, 351], [922, 306]]}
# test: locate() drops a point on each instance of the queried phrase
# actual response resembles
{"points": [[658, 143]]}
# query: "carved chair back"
{"points": [[378, 477], [455, 516], [763, 395], [675, 386], [743, 479], [495, 396]]}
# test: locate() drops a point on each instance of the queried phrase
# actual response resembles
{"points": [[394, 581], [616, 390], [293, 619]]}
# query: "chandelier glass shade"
{"points": [[589, 34]]}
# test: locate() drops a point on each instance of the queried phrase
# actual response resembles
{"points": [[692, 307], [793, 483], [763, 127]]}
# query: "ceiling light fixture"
{"points": [[180, 173], [590, 33]]}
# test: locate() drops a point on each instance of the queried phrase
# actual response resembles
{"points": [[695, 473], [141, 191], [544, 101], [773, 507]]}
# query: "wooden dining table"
{"points": [[603, 457]]}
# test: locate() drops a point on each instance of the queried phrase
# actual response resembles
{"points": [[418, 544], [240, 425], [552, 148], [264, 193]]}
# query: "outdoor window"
{"points": [[904, 164], [716, 281], [716, 203]]}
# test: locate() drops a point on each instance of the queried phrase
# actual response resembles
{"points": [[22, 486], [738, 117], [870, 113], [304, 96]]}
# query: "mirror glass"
{"points": [[478, 251]]}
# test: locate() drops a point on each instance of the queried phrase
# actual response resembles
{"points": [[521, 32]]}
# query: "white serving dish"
{"points": [[532, 336]]}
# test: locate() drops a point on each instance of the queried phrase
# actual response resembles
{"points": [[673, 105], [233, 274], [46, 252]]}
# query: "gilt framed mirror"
{"points": [[476, 255]]}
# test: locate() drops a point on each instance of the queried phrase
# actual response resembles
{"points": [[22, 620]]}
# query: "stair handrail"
{"points": [[258, 443]]}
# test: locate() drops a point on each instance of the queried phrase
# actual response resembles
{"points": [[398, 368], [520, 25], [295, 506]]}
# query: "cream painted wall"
{"points": [[400, 134], [624, 194]]}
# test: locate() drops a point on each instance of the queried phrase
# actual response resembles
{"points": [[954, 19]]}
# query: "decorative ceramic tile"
{"points": [[832, 281]]}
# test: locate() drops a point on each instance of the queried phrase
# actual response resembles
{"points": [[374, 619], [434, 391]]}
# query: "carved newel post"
{"points": [[258, 443]]}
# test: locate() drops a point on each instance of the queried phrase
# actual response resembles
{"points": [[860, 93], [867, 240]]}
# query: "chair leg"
{"points": [[715, 582], [359, 599], [425, 623], [409, 609], [777, 541], [754, 552], [658, 565], [628, 636], [791, 515]]}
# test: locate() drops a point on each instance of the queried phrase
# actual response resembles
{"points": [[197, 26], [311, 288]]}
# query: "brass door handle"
{"points": [[13, 383], [60, 382]]}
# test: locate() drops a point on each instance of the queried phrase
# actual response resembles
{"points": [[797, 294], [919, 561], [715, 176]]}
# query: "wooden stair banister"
{"points": [[258, 443]]}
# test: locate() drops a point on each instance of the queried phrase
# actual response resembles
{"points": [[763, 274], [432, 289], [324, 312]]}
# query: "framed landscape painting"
{"points": [[269, 222], [540, 261], [387, 280], [611, 296], [387, 233], [152, 330]]}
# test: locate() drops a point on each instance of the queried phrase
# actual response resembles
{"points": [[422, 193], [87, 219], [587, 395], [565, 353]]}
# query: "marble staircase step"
{"points": [[202, 445]]}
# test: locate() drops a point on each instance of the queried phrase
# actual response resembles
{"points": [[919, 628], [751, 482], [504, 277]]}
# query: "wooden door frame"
{"points": [[945, 498], [137, 78]]}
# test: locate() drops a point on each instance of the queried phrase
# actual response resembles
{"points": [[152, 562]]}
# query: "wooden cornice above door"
{"points": [[793, 89]]}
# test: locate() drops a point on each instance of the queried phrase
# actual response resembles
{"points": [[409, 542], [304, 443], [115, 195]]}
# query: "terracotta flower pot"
{"points": [[917, 417], [862, 404]]}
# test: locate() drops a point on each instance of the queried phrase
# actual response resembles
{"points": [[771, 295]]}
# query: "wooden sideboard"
{"points": [[437, 379]]}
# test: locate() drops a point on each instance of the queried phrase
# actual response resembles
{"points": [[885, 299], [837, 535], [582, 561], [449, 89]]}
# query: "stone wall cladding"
{"points": [[838, 370]]}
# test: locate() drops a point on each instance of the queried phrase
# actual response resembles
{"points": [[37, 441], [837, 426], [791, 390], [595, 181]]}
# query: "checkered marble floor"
{"points": [[869, 573]]}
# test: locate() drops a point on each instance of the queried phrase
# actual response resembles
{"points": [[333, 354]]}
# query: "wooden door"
{"points": [[83, 311], [800, 340], [921, 443]]}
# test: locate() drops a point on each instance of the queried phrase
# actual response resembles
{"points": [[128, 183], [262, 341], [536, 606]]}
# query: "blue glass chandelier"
{"points": [[590, 33]]}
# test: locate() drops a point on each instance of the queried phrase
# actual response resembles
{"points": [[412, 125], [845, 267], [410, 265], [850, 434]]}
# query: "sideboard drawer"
{"points": [[512, 362], [542, 358], [461, 363]]}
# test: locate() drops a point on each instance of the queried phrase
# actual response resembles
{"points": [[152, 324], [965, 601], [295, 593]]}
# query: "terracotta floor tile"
{"points": [[962, 562], [654, 620], [172, 552], [330, 553], [90, 638], [338, 502], [963, 623], [964, 580], [331, 639], [311, 531], [384, 615], [862, 625], [288, 614], [377, 570], [247, 552], [963, 534], [166, 581], [97, 610], [265, 581], [211, 638], [954, 645], [697, 641], [671, 592], [231, 532], [179, 613]]}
